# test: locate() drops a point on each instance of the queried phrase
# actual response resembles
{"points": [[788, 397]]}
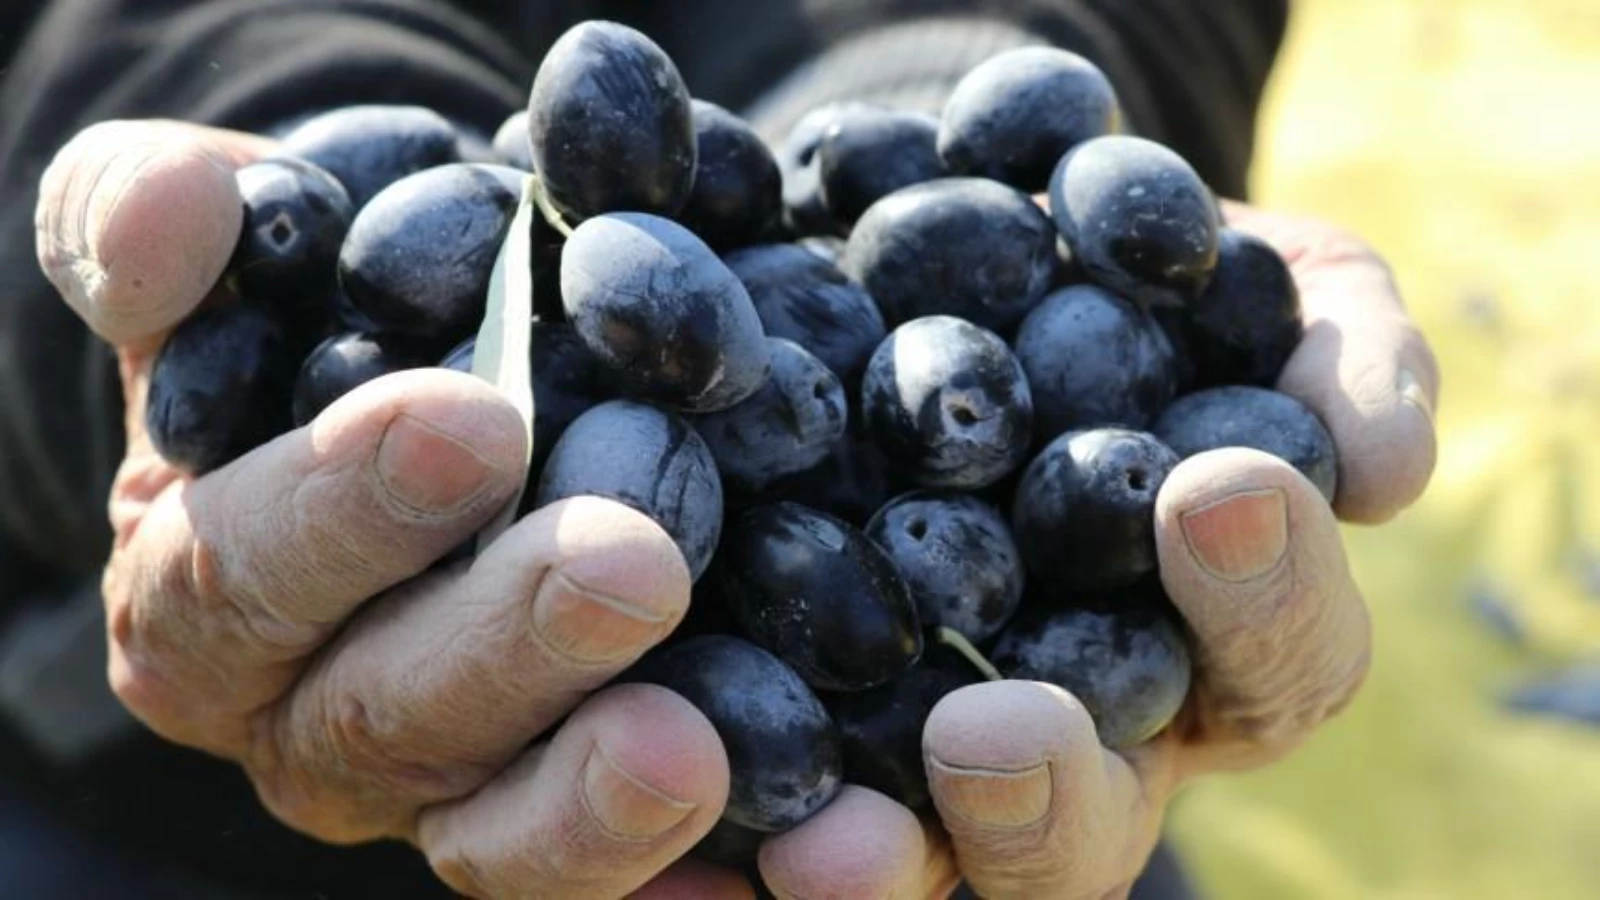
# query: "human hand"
{"points": [[1032, 805], [276, 612]]}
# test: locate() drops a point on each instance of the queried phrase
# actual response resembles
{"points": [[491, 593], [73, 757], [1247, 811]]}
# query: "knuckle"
{"points": [[1331, 245], [243, 601], [136, 670], [133, 679], [381, 754]]}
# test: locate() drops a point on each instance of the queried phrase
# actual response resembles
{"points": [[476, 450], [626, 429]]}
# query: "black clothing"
{"points": [[1190, 73]]}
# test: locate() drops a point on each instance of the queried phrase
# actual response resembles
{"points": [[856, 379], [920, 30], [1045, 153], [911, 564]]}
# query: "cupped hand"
{"points": [[1030, 803], [280, 611]]}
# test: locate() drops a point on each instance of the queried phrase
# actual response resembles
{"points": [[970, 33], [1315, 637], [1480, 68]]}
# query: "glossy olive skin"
{"points": [[1139, 220], [221, 386], [958, 558], [804, 210], [786, 427], [1257, 418], [1084, 513], [867, 156], [813, 590], [881, 729], [345, 362], [610, 125], [295, 219], [1013, 116], [419, 257], [738, 194], [656, 306], [1094, 359], [368, 148], [948, 400], [964, 247], [1127, 662], [784, 762], [801, 295], [647, 458], [804, 297], [1244, 326]]}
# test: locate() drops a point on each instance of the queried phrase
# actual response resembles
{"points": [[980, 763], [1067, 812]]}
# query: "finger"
{"points": [[1035, 806], [861, 845], [137, 220], [1251, 556], [1362, 366], [627, 786], [429, 693], [226, 584], [691, 879]]}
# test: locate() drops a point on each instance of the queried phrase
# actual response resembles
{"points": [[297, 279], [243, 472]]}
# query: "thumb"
{"points": [[1251, 557], [137, 221]]}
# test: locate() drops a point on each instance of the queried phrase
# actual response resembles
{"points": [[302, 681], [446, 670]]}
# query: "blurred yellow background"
{"points": [[1462, 137]]}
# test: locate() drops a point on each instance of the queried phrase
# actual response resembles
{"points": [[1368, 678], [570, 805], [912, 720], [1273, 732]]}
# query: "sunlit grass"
{"points": [[1463, 138]]}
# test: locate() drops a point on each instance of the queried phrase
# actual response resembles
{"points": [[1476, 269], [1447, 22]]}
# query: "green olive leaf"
{"points": [[503, 353]]}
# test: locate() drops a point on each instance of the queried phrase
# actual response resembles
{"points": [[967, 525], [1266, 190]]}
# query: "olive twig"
{"points": [[958, 642], [551, 214]]}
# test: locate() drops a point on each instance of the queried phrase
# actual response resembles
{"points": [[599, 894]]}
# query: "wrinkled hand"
{"points": [[275, 612], [1032, 805]]}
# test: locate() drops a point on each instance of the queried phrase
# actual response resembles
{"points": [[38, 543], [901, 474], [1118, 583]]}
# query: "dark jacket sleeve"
{"points": [[1189, 72]]}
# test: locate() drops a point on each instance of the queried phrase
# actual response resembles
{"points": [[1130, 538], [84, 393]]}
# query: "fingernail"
{"points": [[1239, 538], [1411, 391], [625, 806], [993, 798], [591, 626], [425, 471]]}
